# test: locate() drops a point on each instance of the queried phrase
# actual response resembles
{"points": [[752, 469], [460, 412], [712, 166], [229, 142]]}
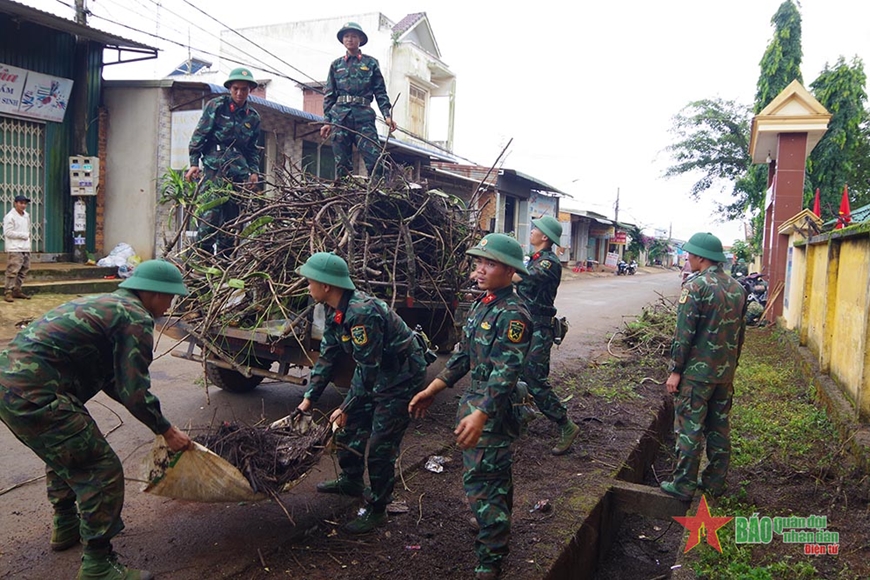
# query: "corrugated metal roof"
{"points": [[57, 23]]}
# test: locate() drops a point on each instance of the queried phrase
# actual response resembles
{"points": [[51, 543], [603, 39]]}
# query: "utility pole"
{"points": [[81, 13], [616, 207]]}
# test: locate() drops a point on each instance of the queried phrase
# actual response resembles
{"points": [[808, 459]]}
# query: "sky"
{"points": [[587, 92]]}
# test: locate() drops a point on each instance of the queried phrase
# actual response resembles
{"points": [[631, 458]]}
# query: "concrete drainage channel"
{"points": [[584, 554]]}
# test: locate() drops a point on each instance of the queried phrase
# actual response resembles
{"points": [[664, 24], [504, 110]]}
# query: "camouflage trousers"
{"points": [[210, 235], [536, 371], [17, 267], [80, 466], [357, 127], [489, 487], [701, 413], [379, 422]]}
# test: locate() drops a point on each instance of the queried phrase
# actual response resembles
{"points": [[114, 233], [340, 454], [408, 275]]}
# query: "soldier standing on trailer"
{"points": [[354, 81], [226, 139]]}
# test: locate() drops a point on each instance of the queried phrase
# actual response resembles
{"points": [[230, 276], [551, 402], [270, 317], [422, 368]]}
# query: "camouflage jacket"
{"points": [[493, 347], [226, 138], [710, 327], [538, 288], [92, 344], [355, 76], [387, 353]]}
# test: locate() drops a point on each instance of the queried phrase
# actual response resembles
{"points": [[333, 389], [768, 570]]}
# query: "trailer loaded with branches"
{"points": [[248, 310]]}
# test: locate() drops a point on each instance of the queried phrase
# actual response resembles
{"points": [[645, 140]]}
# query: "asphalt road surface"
{"points": [[190, 541]]}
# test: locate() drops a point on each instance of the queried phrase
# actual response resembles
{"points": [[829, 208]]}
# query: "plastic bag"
{"points": [[118, 256]]}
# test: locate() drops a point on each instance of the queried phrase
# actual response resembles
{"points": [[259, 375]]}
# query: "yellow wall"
{"points": [[829, 307], [792, 313], [849, 316]]}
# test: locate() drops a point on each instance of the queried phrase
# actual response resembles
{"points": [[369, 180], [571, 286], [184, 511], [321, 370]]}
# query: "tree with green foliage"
{"points": [[781, 63], [841, 156], [743, 251], [713, 141], [636, 245]]}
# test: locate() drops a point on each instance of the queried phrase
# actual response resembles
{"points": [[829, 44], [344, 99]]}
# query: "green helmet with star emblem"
{"points": [[363, 39], [705, 245], [240, 74], [327, 268], [550, 227], [500, 248]]}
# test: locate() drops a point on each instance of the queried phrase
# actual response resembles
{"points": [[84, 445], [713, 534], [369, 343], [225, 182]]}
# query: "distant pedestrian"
{"points": [[704, 356], [54, 366], [16, 236], [493, 349], [354, 80], [390, 369], [538, 290], [226, 140]]}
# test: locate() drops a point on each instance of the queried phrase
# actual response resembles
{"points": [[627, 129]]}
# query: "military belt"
{"points": [[353, 100]]}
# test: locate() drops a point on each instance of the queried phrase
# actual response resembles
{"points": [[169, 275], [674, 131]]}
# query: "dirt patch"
{"points": [[16, 315], [434, 539]]}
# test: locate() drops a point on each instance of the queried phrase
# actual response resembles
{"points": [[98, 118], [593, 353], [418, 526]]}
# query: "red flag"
{"points": [[845, 217], [817, 204]]}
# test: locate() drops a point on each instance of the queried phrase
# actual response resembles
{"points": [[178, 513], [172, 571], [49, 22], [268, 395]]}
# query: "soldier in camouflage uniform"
{"points": [[226, 139], [390, 369], [47, 374], [493, 348], [538, 290], [354, 81], [704, 355]]}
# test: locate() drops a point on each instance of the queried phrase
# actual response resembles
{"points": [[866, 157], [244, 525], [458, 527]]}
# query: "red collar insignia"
{"points": [[536, 256], [488, 298], [339, 316]]}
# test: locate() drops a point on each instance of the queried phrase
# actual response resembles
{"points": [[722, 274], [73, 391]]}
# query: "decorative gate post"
{"points": [[783, 134]]}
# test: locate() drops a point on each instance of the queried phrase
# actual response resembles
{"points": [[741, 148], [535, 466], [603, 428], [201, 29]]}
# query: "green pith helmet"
{"points": [[240, 74], [156, 276], [500, 248], [550, 227], [356, 28], [327, 268], [705, 245]]}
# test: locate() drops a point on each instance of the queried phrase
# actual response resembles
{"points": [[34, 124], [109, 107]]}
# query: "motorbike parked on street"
{"points": [[622, 268], [631, 268]]}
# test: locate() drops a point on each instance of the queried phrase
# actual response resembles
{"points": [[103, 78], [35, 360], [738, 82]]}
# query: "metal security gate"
{"points": [[22, 171]]}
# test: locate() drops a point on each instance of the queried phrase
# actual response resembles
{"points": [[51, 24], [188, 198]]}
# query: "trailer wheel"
{"points": [[232, 381]]}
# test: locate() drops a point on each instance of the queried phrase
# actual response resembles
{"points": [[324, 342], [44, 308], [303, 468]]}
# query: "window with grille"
{"points": [[22, 171]]}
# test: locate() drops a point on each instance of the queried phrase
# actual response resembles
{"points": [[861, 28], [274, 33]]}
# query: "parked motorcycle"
{"points": [[622, 268], [631, 268], [756, 296]]}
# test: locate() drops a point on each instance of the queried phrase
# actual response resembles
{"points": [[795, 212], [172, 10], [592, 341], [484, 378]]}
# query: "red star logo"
{"points": [[703, 521]]}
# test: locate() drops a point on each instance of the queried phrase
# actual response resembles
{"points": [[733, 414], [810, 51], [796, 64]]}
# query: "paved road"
{"points": [[187, 541]]}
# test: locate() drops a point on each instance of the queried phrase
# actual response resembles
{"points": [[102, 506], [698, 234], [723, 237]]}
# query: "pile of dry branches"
{"points": [[652, 332], [268, 458], [402, 243]]}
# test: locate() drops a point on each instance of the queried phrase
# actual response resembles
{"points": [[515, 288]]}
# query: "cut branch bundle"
{"points": [[268, 458], [403, 243]]}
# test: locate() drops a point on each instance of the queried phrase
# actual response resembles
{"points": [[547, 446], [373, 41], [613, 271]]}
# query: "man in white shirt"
{"points": [[16, 234]]}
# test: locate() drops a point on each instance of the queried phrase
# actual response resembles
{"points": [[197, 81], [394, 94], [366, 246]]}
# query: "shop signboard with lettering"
{"points": [[31, 94]]}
